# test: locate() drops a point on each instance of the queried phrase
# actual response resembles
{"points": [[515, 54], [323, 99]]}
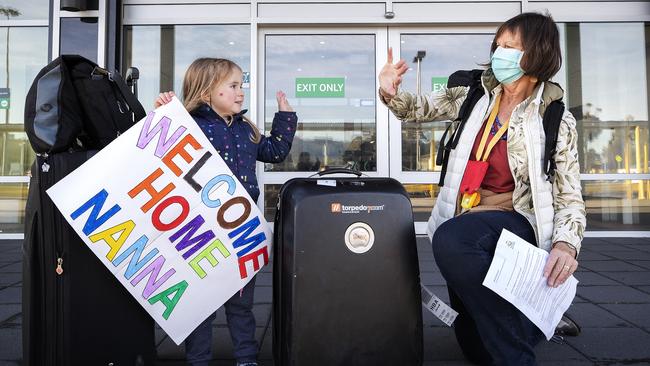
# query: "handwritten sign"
{"points": [[163, 212]]}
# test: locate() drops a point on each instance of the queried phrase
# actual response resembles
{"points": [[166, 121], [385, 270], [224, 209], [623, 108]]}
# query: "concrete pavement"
{"points": [[612, 307]]}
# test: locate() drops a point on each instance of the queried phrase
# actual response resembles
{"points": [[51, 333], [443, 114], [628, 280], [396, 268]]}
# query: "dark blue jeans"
{"points": [[241, 323], [490, 330]]}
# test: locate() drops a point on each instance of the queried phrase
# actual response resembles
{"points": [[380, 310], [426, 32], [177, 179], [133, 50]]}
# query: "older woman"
{"points": [[515, 192]]}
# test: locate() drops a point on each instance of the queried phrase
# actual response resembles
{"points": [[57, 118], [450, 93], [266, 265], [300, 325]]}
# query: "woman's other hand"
{"points": [[283, 104], [560, 265], [163, 98], [390, 76]]}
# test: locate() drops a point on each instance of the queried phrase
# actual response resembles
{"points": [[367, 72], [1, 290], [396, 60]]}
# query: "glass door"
{"points": [[23, 50], [330, 78]]}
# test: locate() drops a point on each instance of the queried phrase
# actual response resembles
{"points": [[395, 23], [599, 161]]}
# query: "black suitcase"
{"points": [[346, 286], [75, 312]]}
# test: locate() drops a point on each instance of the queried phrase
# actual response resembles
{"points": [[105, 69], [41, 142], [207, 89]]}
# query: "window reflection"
{"points": [[142, 50], [617, 205], [223, 41], [24, 9], [20, 60], [163, 53], [17, 153], [423, 197], [611, 205], [561, 77], [445, 53], [330, 82], [26, 53], [79, 37], [614, 147], [13, 198], [610, 95], [271, 192]]}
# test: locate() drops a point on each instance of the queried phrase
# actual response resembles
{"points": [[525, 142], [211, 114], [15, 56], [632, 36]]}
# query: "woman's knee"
{"points": [[445, 239], [446, 246], [458, 250]]}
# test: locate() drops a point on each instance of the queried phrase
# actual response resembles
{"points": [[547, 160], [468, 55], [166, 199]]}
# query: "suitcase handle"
{"points": [[329, 171]]}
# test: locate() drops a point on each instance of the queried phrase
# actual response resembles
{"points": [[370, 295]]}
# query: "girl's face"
{"points": [[227, 98]]}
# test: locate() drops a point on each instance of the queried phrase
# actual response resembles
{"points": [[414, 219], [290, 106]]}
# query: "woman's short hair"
{"points": [[540, 39]]}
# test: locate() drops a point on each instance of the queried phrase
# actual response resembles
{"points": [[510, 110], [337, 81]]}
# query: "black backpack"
{"points": [[73, 104], [472, 78]]}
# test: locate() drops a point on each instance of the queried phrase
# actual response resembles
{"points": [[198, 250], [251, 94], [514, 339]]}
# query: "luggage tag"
{"points": [[472, 179], [437, 307]]}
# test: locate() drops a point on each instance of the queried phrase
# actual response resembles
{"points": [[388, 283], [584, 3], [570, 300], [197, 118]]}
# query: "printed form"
{"points": [[516, 274]]}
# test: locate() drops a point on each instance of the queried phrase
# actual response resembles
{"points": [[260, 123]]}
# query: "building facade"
{"points": [[326, 55]]}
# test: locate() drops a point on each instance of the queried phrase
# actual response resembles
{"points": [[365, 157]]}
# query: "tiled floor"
{"points": [[612, 306]]}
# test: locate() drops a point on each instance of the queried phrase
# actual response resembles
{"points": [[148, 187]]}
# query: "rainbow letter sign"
{"points": [[162, 211]]}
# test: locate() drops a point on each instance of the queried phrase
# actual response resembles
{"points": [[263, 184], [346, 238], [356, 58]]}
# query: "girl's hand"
{"points": [[283, 104], [390, 76], [560, 265], [163, 98]]}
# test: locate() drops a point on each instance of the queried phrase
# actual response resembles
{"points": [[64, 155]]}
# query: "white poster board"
{"points": [[164, 213]]}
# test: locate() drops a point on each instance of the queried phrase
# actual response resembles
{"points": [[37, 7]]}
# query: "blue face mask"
{"points": [[505, 64]]}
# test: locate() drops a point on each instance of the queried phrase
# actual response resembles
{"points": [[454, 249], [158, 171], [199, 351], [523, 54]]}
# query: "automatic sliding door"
{"points": [[417, 143], [330, 80]]}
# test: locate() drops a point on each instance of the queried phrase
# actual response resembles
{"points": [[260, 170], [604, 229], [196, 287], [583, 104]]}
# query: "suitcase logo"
{"points": [[359, 237], [337, 207]]}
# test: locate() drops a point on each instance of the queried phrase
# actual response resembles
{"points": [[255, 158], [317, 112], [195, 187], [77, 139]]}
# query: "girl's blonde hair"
{"points": [[203, 75]]}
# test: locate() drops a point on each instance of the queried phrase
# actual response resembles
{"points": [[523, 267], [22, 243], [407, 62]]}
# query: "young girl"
{"points": [[212, 90]]}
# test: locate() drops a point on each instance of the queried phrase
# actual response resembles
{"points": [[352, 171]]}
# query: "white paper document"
{"points": [[516, 274]]}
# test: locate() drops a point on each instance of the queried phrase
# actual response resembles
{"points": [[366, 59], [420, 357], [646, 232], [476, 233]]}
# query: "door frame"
{"points": [[395, 125], [257, 98]]}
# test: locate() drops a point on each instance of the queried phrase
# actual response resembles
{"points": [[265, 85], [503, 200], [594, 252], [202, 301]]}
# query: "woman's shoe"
{"points": [[567, 327]]}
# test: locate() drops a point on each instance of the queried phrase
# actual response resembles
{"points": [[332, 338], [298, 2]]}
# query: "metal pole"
{"points": [[8, 87], [418, 59]]}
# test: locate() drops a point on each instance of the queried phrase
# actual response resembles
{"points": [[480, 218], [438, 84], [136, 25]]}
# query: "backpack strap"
{"points": [[551, 121], [118, 82], [442, 157], [474, 94], [138, 111], [471, 78]]}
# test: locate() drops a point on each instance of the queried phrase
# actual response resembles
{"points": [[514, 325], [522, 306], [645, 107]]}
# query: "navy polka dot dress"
{"points": [[234, 143]]}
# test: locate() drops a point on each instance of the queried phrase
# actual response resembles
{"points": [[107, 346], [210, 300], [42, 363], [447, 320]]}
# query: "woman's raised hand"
{"points": [[390, 75], [163, 98]]}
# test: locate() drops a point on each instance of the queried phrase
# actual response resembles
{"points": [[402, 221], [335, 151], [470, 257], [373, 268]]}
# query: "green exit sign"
{"points": [[4, 98], [438, 83], [320, 87]]}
